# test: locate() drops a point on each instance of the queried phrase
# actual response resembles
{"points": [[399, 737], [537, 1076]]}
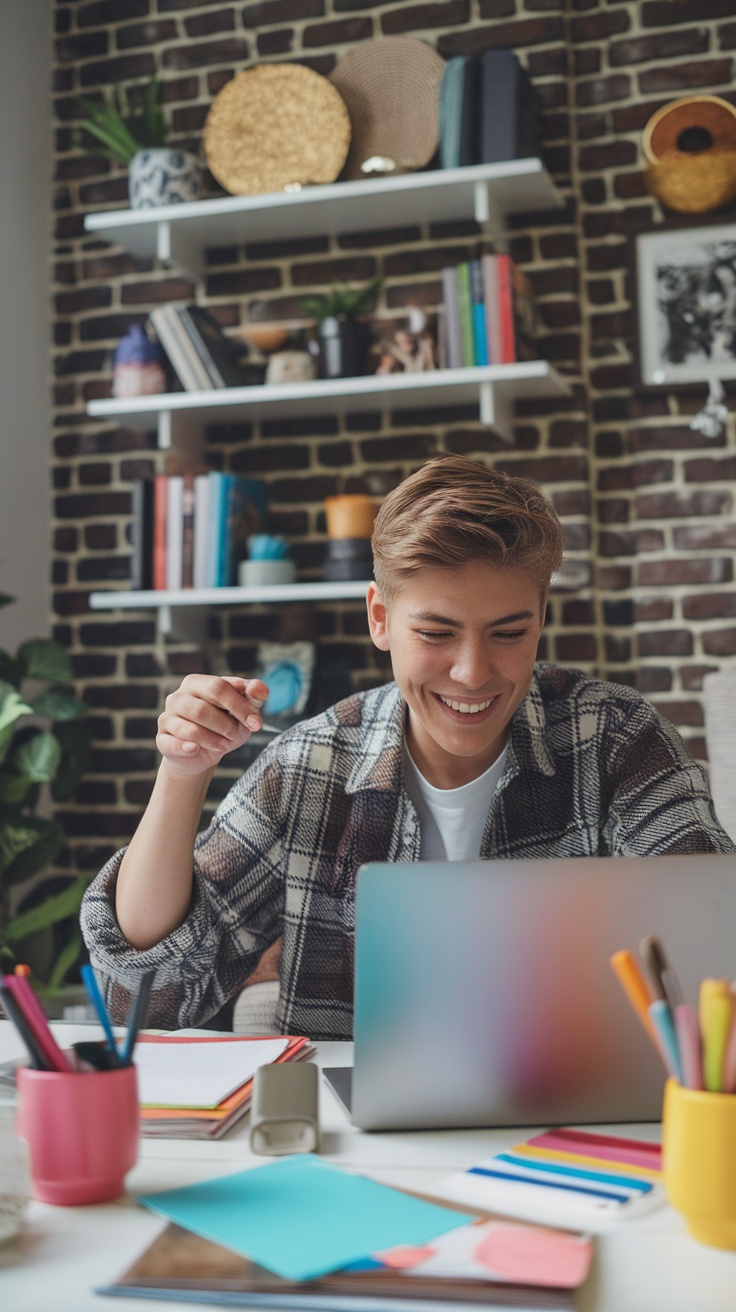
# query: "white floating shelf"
{"points": [[494, 388], [229, 596], [181, 233]]}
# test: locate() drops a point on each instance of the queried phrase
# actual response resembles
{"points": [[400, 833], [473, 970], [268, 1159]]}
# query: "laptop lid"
{"points": [[484, 993]]}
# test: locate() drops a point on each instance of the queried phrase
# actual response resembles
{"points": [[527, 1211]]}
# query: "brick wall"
{"points": [[641, 496]]}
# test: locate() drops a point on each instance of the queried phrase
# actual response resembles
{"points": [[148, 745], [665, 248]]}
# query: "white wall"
{"points": [[25, 155]]}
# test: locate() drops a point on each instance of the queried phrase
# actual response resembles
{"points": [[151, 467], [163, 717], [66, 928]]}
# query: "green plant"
{"points": [[44, 742], [121, 132], [343, 302]]}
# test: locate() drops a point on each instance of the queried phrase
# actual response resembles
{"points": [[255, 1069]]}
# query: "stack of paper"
{"points": [[196, 1086], [564, 1177], [301, 1234]]}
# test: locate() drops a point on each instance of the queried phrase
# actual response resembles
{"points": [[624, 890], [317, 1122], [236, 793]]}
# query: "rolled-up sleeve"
{"points": [[235, 913]]}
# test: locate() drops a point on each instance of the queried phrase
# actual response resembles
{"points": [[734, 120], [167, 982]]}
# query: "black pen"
{"points": [[15, 1014], [137, 1017]]}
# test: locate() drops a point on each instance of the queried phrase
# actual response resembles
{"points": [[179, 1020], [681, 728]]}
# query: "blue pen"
{"points": [[95, 997], [665, 1026]]}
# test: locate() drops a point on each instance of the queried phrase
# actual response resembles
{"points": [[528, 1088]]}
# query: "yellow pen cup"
{"points": [[699, 1161]]}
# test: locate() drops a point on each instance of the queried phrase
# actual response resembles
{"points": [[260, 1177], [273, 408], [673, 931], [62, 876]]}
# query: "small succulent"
{"points": [[121, 133], [341, 301]]}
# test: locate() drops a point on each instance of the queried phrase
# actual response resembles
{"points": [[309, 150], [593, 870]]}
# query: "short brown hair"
{"points": [[453, 511]]}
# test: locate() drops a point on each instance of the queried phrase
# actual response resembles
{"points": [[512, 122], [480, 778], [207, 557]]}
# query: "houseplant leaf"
{"points": [[55, 908], [43, 659], [38, 757], [58, 704], [12, 708], [67, 958], [14, 788], [27, 844]]}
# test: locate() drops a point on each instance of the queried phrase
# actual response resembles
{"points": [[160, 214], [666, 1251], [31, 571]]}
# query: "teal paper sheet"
{"points": [[301, 1217]]}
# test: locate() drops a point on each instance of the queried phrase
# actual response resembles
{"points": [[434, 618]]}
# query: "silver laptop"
{"points": [[484, 995]]}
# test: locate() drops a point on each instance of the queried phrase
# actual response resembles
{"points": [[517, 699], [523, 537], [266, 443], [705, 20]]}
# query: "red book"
{"points": [[160, 497], [506, 309]]}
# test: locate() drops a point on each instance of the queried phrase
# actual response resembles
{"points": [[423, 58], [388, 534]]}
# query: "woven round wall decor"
{"points": [[690, 146], [391, 88], [275, 126]]}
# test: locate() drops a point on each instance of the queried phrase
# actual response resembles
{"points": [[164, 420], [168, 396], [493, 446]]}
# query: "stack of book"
{"points": [[202, 356], [488, 110], [191, 1091], [189, 530], [489, 313]]}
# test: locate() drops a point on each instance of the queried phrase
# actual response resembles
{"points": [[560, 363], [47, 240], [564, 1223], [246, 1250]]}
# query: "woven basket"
{"points": [[391, 88], [694, 184], [713, 117], [276, 126]]}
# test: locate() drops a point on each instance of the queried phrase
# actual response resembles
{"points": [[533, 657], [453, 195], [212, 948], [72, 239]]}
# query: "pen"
{"points": [[95, 997], [688, 1038], [20, 988], [15, 1014], [729, 1060], [630, 977], [663, 1023], [717, 1017], [710, 988], [137, 1016]]}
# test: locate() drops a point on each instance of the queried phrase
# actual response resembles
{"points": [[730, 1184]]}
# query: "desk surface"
{"points": [[645, 1265]]}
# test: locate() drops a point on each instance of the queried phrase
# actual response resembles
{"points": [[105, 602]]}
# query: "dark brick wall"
{"points": [[645, 499]]}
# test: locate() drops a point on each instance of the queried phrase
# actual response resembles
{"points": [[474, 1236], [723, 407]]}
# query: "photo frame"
{"points": [[685, 287]]}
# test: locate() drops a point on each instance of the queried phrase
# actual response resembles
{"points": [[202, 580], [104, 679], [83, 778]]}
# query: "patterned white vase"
{"points": [[162, 177]]}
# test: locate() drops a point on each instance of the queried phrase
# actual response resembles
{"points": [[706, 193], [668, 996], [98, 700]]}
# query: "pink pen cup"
{"points": [[82, 1131]]}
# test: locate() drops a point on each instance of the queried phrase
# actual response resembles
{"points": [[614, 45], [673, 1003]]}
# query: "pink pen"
{"points": [[688, 1038], [29, 1004]]}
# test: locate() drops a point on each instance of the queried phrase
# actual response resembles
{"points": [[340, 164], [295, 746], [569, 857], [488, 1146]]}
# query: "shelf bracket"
{"points": [[182, 624], [172, 247], [496, 411], [488, 215], [178, 435]]}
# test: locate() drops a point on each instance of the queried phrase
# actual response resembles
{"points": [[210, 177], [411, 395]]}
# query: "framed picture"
{"points": [[685, 282]]}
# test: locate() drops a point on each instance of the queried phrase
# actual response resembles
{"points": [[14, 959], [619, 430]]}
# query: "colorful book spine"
{"points": [[506, 309], [478, 313], [493, 325], [201, 522], [187, 535], [174, 531], [160, 498], [453, 338], [215, 517], [465, 313], [141, 563]]}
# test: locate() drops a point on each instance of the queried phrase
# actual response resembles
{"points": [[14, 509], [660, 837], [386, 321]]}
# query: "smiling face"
{"points": [[463, 643]]}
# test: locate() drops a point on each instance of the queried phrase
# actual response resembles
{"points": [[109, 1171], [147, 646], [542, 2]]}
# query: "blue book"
{"points": [[478, 313], [215, 521]]}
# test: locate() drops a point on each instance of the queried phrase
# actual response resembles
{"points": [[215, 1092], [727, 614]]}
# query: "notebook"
{"points": [[484, 993]]}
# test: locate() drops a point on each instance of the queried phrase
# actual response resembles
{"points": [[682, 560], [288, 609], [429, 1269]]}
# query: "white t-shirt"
{"points": [[452, 820]]}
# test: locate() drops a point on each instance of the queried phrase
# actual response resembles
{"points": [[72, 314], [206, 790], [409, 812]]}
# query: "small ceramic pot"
{"points": [[343, 347], [162, 177], [350, 515]]}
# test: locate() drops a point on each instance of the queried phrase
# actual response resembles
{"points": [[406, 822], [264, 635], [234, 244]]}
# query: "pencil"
{"points": [[630, 977]]}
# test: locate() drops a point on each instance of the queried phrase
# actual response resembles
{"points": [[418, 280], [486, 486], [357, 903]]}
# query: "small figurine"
{"points": [[137, 365]]}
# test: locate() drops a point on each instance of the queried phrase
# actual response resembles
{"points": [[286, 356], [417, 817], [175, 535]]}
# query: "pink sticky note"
{"points": [[405, 1255], [535, 1256]]}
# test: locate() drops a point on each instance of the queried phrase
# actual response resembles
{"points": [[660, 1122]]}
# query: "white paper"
{"points": [[199, 1074]]}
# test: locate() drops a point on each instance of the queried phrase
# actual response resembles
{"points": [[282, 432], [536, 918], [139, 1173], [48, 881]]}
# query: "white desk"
{"points": [[647, 1265]]}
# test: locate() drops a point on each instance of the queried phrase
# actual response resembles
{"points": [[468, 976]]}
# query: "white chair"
{"points": [[719, 705]]}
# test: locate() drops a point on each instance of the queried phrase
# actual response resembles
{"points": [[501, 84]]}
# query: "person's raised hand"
{"points": [[207, 717]]}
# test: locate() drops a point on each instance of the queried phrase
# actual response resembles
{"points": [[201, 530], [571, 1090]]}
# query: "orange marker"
{"points": [[631, 978], [23, 971]]}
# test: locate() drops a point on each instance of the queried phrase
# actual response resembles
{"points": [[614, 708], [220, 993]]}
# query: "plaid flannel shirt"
{"points": [[591, 769]]}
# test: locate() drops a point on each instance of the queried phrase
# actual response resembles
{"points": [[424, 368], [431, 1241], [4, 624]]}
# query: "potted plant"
{"points": [[44, 744], [157, 174], [342, 337]]}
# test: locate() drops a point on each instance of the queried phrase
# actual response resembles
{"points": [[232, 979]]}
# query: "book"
{"points": [[181, 1265], [141, 562], [452, 339], [223, 357], [187, 535], [493, 324], [465, 313], [160, 499], [201, 518], [181, 354], [508, 113], [470, 120], [174, 531], [216, 511], [563, 1177], [478, 313], [505, 309]]}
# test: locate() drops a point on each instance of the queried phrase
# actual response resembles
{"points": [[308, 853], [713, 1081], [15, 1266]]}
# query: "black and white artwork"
{"points": [[686, 288]]}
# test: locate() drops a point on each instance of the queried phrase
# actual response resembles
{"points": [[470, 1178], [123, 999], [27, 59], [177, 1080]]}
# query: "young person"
{"points": [[473, 750]]}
